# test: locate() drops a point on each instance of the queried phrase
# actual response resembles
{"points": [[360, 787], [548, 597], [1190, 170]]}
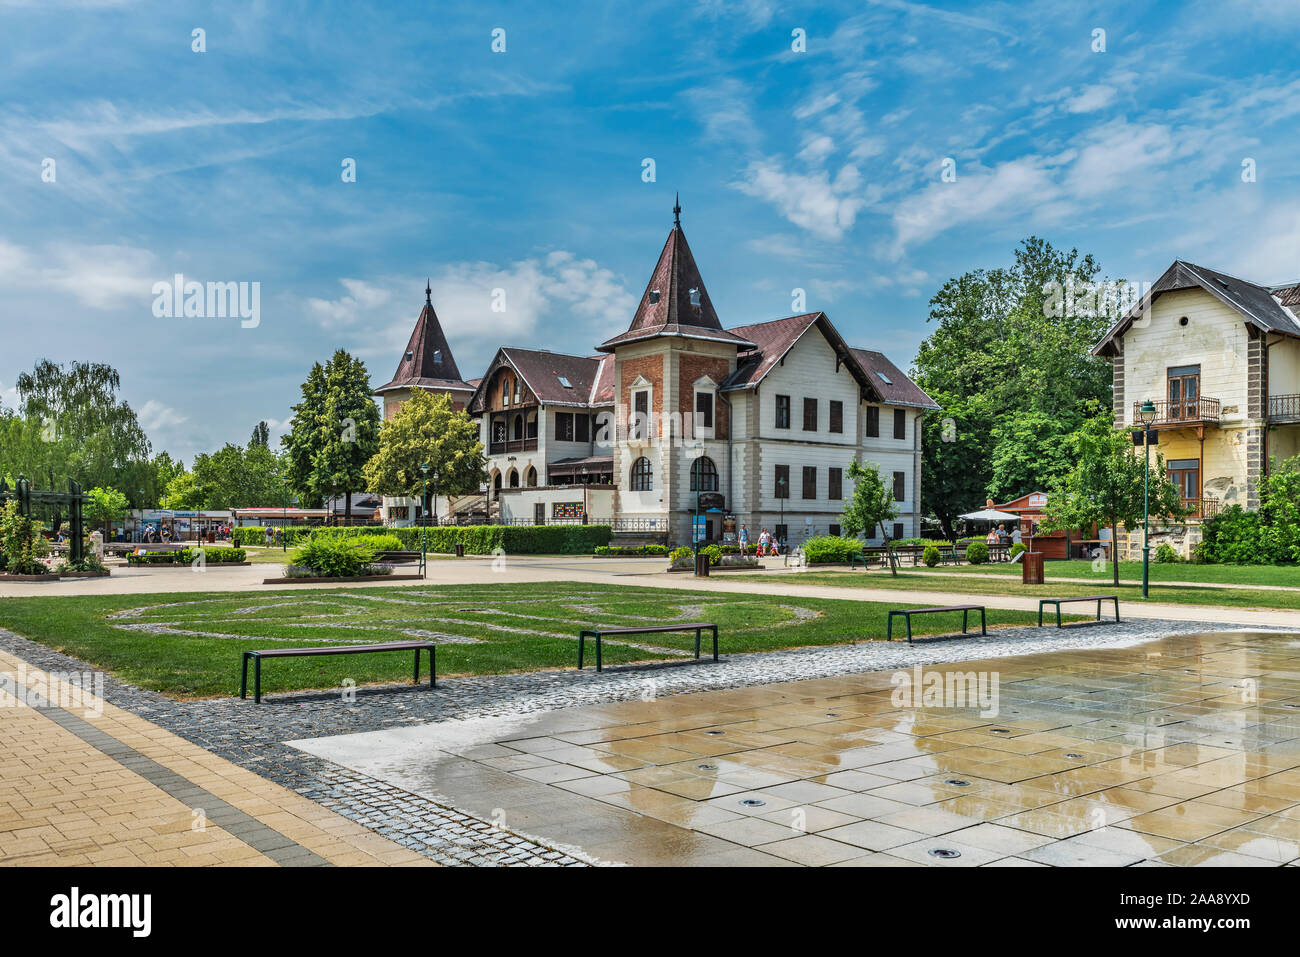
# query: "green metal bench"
{"points": [[257, 656], [401, 558], [598, 633], [1057, 602], [965, 610]]}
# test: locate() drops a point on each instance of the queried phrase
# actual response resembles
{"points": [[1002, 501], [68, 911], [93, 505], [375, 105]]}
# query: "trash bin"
{"points": [[702, 564], [1031, 568], [460, 550]]}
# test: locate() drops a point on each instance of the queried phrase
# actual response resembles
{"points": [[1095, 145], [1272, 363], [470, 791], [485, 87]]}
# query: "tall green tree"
{"points": [[261, 434], [105, 505], [870, 504], [426, 431], [1105, 486], [1007, 363], [334, 431]]}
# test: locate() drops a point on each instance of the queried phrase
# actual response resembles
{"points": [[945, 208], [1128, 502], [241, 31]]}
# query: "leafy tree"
{"points": [[334, 431], [261, 434], [1005, 361], [85, 431], [105, 505], [425, 431], [183, 492], [870, 505], [1105, 485]]}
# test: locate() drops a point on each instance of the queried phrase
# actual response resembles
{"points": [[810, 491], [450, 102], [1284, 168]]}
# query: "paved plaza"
{"points": [[1111, 744]]}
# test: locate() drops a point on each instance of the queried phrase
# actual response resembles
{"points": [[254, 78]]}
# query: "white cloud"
{"points": [[825, 207], [1091, 98], [101, 277], [362, 297], [156, 417]]}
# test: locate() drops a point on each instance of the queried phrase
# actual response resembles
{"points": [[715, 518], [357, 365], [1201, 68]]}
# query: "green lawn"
{"points": [[1132, 571], [190, 644], [921, 580]]}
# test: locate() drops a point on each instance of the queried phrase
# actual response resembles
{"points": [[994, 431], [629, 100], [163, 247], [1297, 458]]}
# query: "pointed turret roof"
{"points": [[675, 302], [427, 362]]}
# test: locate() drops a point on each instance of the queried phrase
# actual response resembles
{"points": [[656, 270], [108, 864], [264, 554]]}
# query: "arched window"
{"points": [[704, 475], [499, 430], [642, 476], [532, 425], [514, 478], [531, 477], [519, 427], [496, 483]]}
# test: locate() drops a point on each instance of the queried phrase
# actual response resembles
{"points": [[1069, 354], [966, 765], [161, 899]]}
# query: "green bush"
{"points": [[1017, 548], [931, 556], [936, 542], [477, 539], [1166, 554], [977, 553], [828, 549], [333, 557], [383, 542], [22, 547], [631, 550], [714, 552]]}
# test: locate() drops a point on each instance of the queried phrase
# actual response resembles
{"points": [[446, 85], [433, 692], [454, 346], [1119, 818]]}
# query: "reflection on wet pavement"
{"points": [[1179, 752]]}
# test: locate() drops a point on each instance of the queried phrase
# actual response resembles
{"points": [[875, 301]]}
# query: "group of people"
{"points": [[768, 544], [1000, 536]]}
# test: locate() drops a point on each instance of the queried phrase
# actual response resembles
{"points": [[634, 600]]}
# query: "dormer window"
{"points": [[695, 297], [410, 356], [654, 296], [437, 357]]}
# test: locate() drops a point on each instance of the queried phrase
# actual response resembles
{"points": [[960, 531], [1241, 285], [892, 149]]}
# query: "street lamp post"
{"points": [[284, 516], [139, 526], [424, 470], [433, 503], [780, 493], [1148, 415], [697, 475]]}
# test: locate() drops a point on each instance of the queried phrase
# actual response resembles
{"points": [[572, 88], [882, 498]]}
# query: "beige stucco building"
{"points": [[1220, 359]]}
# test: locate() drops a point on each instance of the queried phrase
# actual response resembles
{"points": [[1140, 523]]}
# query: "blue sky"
{"points": [[522, 170]]}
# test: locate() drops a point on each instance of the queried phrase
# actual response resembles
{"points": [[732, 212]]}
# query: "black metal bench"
{"points": [[598, 633], [402, 557], [965, 610], [257, 656], [1057, 602]]}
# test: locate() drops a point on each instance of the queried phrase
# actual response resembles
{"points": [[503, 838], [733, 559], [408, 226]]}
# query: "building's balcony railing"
{"points": [[1204, 508], [512, 445], [1190, 411], [1284, 408]]}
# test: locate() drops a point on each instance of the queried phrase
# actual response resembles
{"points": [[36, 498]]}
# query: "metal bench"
{"points": [[598, 633], [399, 558], [965, 610], [1057, 602], [257, 656]]}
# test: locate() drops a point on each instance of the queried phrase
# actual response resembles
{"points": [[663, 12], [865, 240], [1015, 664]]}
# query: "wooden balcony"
{"points": [[1170, 415], [1284, 408], [512, 445]]}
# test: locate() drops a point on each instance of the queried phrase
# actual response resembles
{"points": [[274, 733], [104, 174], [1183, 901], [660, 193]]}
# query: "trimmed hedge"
{"points": [[477, 539], [931, 556], [630, 550], [829, 549], [212, 555], [977, 553]]}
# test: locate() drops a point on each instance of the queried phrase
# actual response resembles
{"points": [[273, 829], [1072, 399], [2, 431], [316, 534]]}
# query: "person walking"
{"points": [[744, 539]]}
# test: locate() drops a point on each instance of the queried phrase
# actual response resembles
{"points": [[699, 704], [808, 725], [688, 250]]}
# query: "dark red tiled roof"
{"points": [[666, 308], [427, 362], [772, 340], [588, 377], [899, 389]]}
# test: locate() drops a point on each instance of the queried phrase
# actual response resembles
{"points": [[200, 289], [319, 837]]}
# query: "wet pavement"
{"points": [[1181, 751]]}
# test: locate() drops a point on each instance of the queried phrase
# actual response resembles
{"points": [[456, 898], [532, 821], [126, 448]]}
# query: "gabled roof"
{"points": [[894, 387], [666, 308], [543, 371], [427, 362], [772, 340], [1265, 308]]}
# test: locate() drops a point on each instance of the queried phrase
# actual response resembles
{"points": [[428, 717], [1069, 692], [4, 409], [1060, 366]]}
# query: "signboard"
{"points": [[567, 511], [698, 527], [1038, 498], [1153, 437], [729, 528]]}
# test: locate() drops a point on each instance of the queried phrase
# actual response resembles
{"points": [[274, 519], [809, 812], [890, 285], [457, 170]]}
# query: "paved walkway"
{"points": [[83, 782]]}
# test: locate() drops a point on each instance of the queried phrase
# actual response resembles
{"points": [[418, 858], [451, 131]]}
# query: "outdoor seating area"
{"points": [[1057, 602], [256, 658], [597, 633], [965, 610]]}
